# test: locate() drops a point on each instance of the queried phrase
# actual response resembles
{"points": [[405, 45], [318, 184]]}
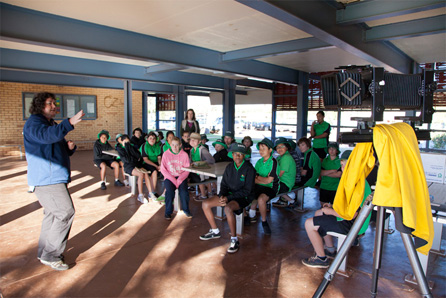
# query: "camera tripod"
{"points": [[408, 244]]}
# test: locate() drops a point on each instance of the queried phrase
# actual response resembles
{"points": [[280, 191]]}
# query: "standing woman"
{"points": [[190, 124]]}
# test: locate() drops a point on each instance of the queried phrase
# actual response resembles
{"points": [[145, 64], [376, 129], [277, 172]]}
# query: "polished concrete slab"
{"points": [[120, 248]]}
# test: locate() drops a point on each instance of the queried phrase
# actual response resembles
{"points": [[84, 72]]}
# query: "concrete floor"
{"points": [[118, 247]]}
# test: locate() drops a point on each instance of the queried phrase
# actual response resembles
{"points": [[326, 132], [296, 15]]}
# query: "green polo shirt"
{"points": [[318, 130], [288, 165], [330, 183], [166, 147], [264, 168], [195, 154], [152, 152]]}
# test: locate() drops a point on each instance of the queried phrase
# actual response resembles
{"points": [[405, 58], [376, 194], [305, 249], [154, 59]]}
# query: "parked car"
{"points": [[263, 126]]}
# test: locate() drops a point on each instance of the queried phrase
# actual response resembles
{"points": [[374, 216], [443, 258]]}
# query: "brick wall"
{"points": [[110, 114]]}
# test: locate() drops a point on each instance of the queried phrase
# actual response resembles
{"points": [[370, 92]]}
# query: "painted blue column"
{"points": [[180, 107], [128, 107], [302, 105], [273, 117], [229, 106], [144, 111]]}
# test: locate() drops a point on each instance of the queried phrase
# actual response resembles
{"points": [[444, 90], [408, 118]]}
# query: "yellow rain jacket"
{"points": [[400, 182]]}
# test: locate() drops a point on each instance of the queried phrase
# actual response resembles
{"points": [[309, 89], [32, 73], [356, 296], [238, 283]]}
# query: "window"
{"points": [[67, 105]]}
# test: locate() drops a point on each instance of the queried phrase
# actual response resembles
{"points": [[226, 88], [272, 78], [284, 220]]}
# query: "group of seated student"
{"points": [[242, 186]]}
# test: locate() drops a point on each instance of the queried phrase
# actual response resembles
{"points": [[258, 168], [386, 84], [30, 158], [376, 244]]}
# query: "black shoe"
{"points": [[210, 235], [168, 217], [188, 215], [266, 228], [103, 187], [247, 221], [118, 183], [253, 219], [234, 246]]}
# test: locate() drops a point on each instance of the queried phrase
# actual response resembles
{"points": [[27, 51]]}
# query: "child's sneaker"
{"points": [[103, 186], [152, 196], [315, 262], [142, 199], [234, 246], [126, 182], [210, 235], [118, 183]]}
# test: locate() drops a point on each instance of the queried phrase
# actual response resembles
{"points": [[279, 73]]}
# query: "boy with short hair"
{"points": [[266, 182], [199, 153]]}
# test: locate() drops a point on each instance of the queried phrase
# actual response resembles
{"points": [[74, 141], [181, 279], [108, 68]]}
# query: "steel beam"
{"points": [[229, 106], [164, 67], [374, 10], [180, 108], [420, 27], [286, 47], [77, 81], [45, 63], [319, 19], [128, 107], [33, 27]]}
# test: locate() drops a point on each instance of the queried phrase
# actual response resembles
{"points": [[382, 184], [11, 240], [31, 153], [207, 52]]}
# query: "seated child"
{"points": [[102, 160], [169, 136], [266, 183], [203, 141], [222, 151], [199, 153], [327, 220], [287, 174], [161, 137], [236, 193], [310, 170], [151, 154], [247, 141], [175, 178], [185, 139], [134, 164], [330, 175], [137, 138]]}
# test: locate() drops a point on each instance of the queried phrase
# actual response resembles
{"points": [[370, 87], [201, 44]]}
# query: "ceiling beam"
{"points": [[77, 81], [163, 67], [319, 19], [46, 63], [375, 10], [420, 27], [45, 29], [286, 47]]}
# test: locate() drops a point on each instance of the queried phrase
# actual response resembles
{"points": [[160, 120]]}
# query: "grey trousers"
{"points": [[58, 213]]}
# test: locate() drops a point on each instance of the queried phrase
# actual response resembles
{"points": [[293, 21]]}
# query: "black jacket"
{"points": [[99, 147], [130, 156], [238, 183], [222, 155]]}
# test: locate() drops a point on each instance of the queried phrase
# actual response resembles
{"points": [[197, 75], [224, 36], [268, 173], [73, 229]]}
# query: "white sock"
{"points": [[252, 213], [215, 231], [116, 179], [234, 238]]}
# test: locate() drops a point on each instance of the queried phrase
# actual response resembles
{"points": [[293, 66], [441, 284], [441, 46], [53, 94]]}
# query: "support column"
{"points": [[144, 111], [229, 106], [128, 107], [180, 107], [302, 105], [273, 117]]}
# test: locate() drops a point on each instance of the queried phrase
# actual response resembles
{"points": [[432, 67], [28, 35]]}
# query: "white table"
{"points": [[215, 170], [111, 152]]}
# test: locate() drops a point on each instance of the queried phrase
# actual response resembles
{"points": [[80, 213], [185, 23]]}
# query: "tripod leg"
{"points": [[416, 265], [377, 256], [342, 252]]}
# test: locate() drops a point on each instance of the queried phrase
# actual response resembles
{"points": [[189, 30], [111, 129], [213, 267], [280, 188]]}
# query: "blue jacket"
{"points": [[47, 151]]}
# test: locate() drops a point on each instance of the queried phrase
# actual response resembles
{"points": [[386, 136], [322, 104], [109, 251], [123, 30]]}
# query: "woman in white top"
{"points": [[190, 124]]}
